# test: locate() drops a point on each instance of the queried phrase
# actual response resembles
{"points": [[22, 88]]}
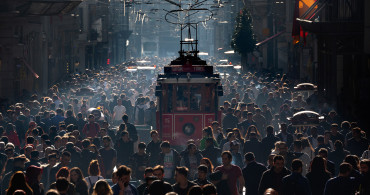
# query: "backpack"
{"points": [[91, 190], [140, 115]]}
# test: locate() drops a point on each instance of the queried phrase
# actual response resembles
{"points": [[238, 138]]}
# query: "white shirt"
{"points": [[119, 111]]}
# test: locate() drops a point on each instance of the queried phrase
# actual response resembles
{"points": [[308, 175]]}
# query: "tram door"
{"points": [[186, 109]]}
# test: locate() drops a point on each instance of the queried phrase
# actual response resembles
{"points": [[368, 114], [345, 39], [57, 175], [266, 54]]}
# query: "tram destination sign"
{"points": [[186, 69]]}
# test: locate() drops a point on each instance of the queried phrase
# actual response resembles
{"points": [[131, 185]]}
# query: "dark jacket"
{"points": [[132, 131], [270, 179], [86, 157], [295, 183], [340, 186], [153, 149], [213, 154], [230, 121], [318, 181], [255, 146], [198, 155], [268, 143], [124, 151], [252, 174]]}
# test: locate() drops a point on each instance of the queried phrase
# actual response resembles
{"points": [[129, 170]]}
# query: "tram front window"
{"points": [[182, 98], [195, 98]]}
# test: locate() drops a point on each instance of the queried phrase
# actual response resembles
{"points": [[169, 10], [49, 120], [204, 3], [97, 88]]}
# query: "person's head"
{"points": [[318, 165], [209, 189], [181, 174], [18, 180], [323, 152], [94, 169], [148, 172], [202, 172], [91, 118], [33, 174], [278, 163], [281, 147], [62, 172], [62, 185], [270, 191], [192, 148], [166, 147], [19, 162], [124, 174], [365, 166], [158, 187], [154, 135], [76, 175], [249, 157], [231, 136], [209, 142], [102, 187], [297, 166], [208, 163], [338, 145], [66, 158], [227, 158], [356, 132], [195, 190], [86, 143], [270, 130], [107, 141], [353, 160], [52, 192], [313, 131], [142, 147], [125, 118], [345, 169], [52, 159], [158, 171]]}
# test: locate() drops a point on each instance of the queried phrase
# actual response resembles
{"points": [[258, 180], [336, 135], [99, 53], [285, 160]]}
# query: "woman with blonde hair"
{"points": [[94, 174], [102, 188]]}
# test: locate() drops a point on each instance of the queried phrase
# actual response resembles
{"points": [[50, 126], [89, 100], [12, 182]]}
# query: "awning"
{"points": [[47, 7], [269, 39]]}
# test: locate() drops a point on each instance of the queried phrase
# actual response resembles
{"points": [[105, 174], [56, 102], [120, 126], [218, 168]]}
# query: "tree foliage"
{"points": [[243, 40]]}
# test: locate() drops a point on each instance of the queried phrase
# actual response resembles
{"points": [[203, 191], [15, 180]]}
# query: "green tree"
{"points": [[243, 40]]}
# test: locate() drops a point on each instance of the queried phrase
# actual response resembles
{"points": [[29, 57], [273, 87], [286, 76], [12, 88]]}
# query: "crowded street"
{"points": [[107, 98]]}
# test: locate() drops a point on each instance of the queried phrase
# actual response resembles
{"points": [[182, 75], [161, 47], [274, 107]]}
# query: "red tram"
{"points": [[188, 94], [188, 91]]}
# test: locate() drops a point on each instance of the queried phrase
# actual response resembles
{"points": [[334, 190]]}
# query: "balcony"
{"points": [[336, 17]]}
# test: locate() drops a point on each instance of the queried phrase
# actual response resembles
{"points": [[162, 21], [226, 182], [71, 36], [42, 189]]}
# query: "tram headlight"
{"points": [[188, 129]]}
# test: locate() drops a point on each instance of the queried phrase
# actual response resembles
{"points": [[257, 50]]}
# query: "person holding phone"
{"points": [[123, 186]]}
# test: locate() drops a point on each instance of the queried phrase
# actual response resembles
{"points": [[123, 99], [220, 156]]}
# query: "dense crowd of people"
{"points": [[80, 138]]}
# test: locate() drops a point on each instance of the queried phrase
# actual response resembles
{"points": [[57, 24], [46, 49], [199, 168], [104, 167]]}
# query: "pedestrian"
{"points": [[252, 173], [182, 185], [318, 175], [273, 178], [231, 173], [295, 183], [123, 186]]}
